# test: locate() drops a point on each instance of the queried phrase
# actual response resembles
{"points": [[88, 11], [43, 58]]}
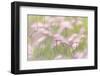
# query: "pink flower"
{"points": [[78, 55], [77, 40], [72, 37], [58, 37], [66, 24], [34, 26], [45, 32], [75, 45], [82, 30], [74, 41]]}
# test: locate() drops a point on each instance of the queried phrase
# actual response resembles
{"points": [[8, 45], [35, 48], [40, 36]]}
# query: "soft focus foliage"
{"points": [[54, 37]]}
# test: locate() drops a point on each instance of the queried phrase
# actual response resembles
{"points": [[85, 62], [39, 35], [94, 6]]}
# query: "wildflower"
{"points": [[78, 55], [66, 25], [74, 40], [34, 26], [82, 30], [72, 37], [75, 45]]}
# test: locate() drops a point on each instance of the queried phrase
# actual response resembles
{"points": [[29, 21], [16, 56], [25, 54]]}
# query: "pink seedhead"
{"points": [[34, 26], [58, 37], [82, 30]]}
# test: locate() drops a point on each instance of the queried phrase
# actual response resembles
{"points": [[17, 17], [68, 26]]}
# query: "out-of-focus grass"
{"points": [[33, 18], [85, 23], [46, 52]]}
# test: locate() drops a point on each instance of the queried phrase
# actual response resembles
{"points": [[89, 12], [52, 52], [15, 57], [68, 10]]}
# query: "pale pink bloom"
{"points": [[44, 25], [58, 37], [75, 45], [37, 26], [66, 24], [78, 55], [82, 30], [37, 38], [77, 40], [40, 40], [45, 32], [34, 26], [42, 30], [74, 40], [72, 37]]}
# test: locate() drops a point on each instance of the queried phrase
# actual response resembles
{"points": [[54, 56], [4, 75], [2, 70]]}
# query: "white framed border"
{"points": [[25, 65]]}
